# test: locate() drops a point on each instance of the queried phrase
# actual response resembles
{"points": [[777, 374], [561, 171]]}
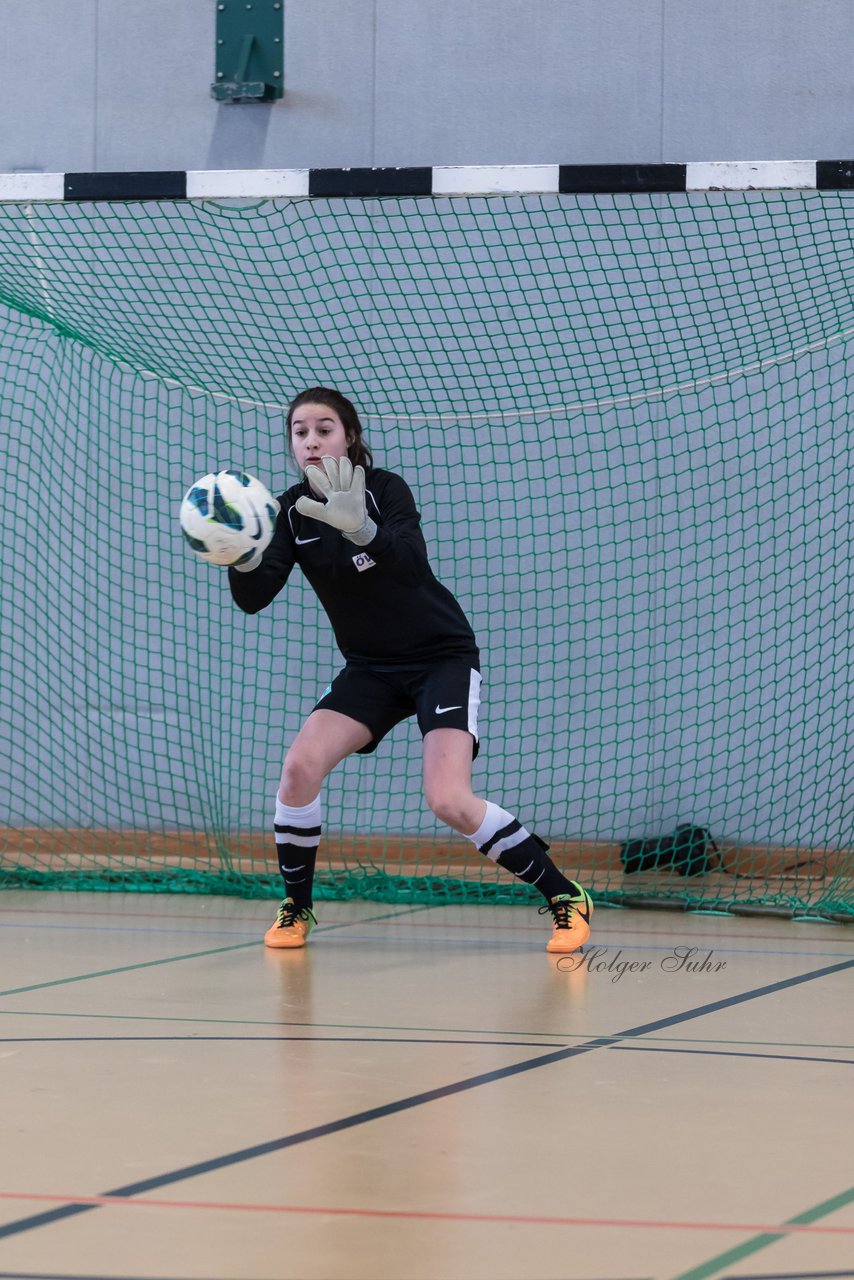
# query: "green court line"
{"points": [[193, 955], [761, 1242], [126, 968], [371, 1026]]}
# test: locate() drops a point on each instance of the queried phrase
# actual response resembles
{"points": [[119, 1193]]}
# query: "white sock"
{"points": [[498, 832]]}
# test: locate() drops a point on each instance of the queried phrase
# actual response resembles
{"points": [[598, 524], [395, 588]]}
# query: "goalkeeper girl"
{"points": [[409, 650]]}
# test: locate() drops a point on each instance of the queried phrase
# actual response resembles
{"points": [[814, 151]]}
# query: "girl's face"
{"points": [[317, 432]]}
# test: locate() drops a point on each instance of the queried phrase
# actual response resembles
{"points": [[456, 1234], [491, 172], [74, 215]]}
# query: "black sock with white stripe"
{"points": [[297, 838], [502, 838]]}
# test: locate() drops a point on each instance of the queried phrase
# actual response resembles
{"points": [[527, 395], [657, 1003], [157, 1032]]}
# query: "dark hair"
{"points": [[357, 450]]}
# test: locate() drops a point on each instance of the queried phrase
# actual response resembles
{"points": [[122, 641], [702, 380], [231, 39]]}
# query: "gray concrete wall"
{"points": [[124, 84]]}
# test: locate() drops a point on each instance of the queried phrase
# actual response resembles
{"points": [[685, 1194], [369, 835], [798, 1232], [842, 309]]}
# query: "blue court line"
{"points": [[67, 1275], [524, 944], [216, 1163], [807, 954], [429, 941], [500, 1044], [495, 1044], [544, 1036], [135, 928], [733, 1053], [433, 939], [412, 941]]}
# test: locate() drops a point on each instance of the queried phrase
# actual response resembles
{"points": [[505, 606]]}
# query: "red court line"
{"points": [[783, 1228], [251, 922]]}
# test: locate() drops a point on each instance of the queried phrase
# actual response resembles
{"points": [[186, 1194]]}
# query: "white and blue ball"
{"points": [[227, 517]]}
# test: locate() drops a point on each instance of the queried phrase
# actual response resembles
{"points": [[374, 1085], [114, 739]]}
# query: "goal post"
{"points": [[657, 386]]}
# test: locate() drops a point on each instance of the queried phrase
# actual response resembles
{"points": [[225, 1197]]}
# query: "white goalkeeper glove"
{"points": [[250, 564], [343, 487]]}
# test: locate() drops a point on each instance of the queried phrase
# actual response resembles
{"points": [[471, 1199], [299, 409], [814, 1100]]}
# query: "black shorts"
{"points": [[443, 695]]}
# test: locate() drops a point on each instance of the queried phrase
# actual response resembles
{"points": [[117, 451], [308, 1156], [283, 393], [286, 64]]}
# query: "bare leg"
{"points": [[326, 738], [447, 780]]}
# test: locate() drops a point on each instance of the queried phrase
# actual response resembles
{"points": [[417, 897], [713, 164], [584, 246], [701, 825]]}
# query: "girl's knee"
{"points": [[301, 778], [459, 810]]}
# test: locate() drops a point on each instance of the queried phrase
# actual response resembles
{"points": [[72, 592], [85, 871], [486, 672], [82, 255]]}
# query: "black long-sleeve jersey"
{"points": [[385, 605]]}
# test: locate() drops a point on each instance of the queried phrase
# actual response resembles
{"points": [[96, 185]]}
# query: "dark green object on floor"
{"points": [[690, 850]]}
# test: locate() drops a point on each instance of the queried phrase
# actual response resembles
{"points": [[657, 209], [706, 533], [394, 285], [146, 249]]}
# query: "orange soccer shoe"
{"points": [[291, 927], [571, 914]]}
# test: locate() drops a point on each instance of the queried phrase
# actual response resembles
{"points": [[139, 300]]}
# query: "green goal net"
{"points": [[626, 423]]}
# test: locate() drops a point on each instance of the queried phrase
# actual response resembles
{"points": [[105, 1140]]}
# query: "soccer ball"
{"points": [[228, 517]]}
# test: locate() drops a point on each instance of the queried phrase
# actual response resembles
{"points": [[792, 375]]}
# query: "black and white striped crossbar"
{"points": [[440, 180]]}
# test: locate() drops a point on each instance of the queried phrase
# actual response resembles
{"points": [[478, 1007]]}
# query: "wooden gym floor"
{"points": [[421, 1094]]}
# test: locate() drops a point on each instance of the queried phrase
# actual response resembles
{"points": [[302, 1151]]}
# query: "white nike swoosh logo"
{"points": [[302, 542], [440, 711]]}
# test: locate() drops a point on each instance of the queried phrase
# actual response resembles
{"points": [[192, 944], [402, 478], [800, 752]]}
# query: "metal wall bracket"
{"points": [[250, 52]]}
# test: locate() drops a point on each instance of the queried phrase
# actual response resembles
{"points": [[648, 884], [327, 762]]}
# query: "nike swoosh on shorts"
{"points": [[440, 711]]}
